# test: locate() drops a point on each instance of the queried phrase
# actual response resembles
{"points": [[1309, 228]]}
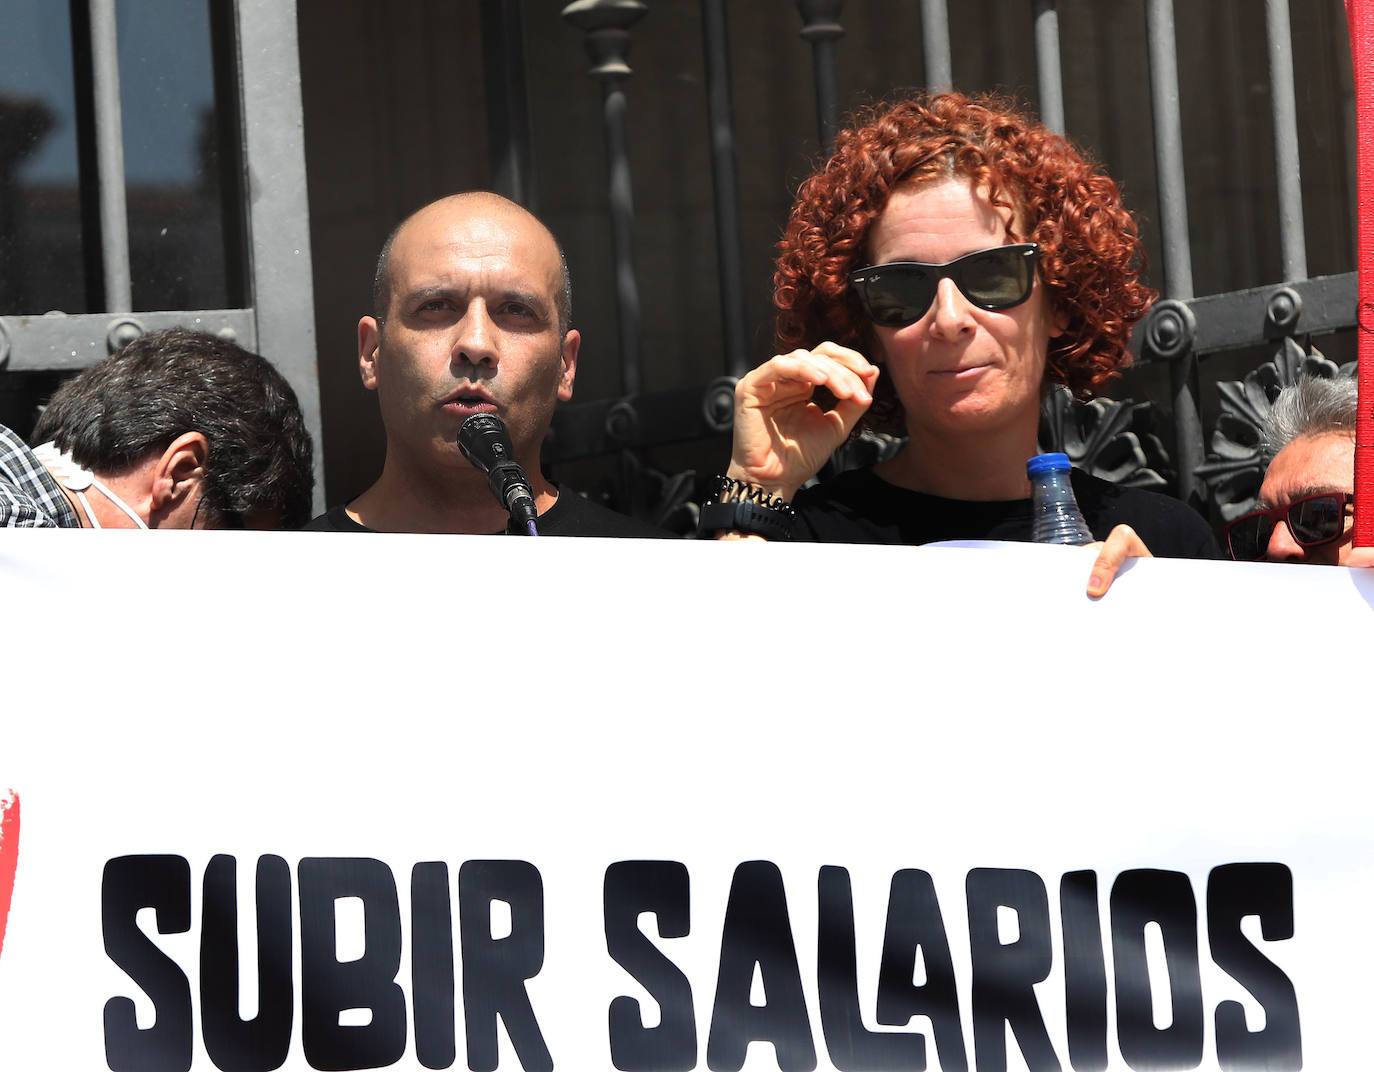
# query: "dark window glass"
{"points": [[41, 254], [178, 158]]}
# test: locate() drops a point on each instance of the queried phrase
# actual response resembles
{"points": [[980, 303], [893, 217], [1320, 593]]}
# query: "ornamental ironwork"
{"points": [[1114, 440], [1235, 464]]}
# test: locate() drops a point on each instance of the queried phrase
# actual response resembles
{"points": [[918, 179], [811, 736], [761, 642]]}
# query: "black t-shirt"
{"points": [[861, 507], [570, 515]]}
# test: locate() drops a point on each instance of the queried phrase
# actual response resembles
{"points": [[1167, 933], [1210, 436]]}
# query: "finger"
{"points": [[780, 379], [1121, 543], [800, 366], [842, 375], [848, 375], [846, 356], [855, 362], [787, 377], [847, 412]]}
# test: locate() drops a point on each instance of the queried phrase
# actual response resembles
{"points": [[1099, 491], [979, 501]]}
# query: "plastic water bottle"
{"points": [[1054, 511]]}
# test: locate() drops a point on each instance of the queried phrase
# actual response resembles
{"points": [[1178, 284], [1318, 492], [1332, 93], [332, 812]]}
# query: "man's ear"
{"points": [[572, 343], [177, 473], [369, 341]]}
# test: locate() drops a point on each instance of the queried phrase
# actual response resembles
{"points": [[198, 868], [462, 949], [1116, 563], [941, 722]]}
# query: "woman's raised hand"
{"points": [[782, 437]]}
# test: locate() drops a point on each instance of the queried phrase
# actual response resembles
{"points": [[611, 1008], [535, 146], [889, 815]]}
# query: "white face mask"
{"points": [[74, 478]]}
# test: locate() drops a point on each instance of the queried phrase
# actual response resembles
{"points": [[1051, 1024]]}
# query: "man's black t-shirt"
{"points": [[570, 515], [860, 507]]}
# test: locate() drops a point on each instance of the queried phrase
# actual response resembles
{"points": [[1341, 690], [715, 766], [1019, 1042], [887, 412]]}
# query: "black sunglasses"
{"points": [[1313, 520], [900, 293]]}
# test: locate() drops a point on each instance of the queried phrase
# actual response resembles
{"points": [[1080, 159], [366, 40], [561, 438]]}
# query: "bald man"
{"points": [[472, 307]]}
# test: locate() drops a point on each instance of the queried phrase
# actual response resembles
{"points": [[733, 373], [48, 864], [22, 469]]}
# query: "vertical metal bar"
{"points": [[508, 111], [1173, 203], [607, 23], [821, 27], [228, 128], [109, 141], [722, 125], [93, 271], [277, 206], [1049, 70], [935, 42], [1292, 233], [1173, 219], [622, 232]]}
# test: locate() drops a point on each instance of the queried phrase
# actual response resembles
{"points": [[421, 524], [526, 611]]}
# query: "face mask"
{"points": [[74, 478]]}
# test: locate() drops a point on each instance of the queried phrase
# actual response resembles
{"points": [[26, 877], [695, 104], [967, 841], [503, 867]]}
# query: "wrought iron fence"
{"points": [[1122, 440], [1165, 439], [255, 168]]}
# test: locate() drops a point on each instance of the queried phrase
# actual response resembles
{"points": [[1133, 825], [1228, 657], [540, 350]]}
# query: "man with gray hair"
{"points": [[1304, 509]]}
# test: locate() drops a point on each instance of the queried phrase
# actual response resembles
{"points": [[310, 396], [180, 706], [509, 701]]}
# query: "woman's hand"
{"points": [[1121, 543], [782, 438]]}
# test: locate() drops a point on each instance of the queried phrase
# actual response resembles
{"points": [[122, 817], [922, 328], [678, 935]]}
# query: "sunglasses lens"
{"points": [[899, 295], [1248, 537], [997, 278], [1317, 520]]}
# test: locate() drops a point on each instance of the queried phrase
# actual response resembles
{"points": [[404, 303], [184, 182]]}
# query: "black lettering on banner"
{"points": [[431, 965], [495, 969], [757, 932], [914, 922], [1085, 972], [852, 1047], [259, 1044], [1004, 976], [1235, 891], [330, 987], [130, 884], [1140, 897], [662, 887]]}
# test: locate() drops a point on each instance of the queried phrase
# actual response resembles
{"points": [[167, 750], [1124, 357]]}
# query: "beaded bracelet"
{"points": [[739, 506]]}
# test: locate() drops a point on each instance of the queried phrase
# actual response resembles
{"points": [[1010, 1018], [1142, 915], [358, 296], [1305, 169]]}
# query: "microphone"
{"points": [[484, 441]]}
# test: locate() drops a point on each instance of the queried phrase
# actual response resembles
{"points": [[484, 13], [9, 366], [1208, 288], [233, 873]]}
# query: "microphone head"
{"points": [[484, 441]]}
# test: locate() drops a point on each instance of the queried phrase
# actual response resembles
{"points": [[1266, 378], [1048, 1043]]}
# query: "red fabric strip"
{"points": [[9, 856], [1360, 16]]}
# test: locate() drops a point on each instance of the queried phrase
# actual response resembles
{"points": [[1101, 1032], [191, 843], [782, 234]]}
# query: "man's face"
{"points": [[471, 327], [1309, 465]]}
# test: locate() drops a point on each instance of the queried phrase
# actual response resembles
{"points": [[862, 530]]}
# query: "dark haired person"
{"points": [[472, 308], [1305, 507], [179, 429], [951, 262]]}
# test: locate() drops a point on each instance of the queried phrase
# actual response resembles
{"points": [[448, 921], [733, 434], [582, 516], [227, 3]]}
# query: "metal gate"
{"points": [[97, 246]]}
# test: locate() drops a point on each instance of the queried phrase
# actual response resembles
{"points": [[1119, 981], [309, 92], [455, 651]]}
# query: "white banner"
{"points": [[316, 801]]}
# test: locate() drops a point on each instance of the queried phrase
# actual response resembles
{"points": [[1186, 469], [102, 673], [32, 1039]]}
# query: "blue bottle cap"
{"points": [[1045, 462]]}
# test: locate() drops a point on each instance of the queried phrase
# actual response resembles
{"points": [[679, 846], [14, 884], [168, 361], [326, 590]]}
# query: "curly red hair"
{"points": [[1090, 259]]}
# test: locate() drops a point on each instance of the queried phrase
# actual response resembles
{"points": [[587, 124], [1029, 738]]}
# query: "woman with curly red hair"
{"points": [[952, 261]]}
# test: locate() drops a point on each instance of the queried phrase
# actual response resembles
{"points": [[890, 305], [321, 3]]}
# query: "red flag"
{"points": [[1360, 16], [9, 854]]}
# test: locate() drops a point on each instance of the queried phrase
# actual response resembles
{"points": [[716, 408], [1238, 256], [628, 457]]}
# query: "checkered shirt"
{"points": [[29, 496]]}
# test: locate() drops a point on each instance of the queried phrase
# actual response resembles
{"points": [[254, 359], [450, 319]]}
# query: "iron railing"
{"points": [[1169, 441], [263, 164], [1182, 330]]}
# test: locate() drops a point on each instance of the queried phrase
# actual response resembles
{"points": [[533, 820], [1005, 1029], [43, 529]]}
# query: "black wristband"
{"points": [[746, 509]]}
